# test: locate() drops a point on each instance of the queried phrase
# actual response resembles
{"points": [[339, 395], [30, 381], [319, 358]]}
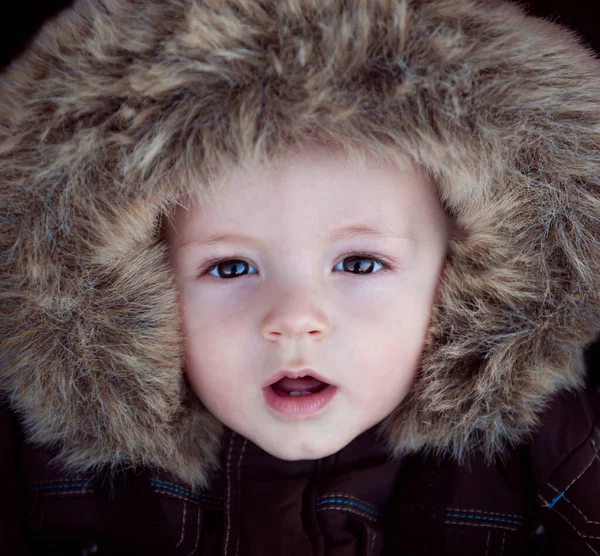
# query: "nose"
{"points": [[296, 315]]}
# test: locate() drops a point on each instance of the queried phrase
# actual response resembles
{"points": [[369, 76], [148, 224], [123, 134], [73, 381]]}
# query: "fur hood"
{"points": [[119, 108]]}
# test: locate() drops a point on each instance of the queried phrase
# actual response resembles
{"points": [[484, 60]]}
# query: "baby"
{"points": [[317, 268], [299, 278]]}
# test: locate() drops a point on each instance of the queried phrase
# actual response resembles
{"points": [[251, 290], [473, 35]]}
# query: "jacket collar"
{"points": [[351, 470]]}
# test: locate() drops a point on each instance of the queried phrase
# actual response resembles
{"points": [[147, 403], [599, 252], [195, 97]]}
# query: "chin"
{"points": [[295, 451]]}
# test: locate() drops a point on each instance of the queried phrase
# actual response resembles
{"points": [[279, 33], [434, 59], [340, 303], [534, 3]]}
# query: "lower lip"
{"points": [[299, 406]]}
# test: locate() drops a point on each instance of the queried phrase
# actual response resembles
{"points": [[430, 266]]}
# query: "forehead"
{"points": [[312, 196], [313, 188]]}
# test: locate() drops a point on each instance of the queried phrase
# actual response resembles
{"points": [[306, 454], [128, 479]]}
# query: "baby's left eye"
{"points": [[357, 264]]}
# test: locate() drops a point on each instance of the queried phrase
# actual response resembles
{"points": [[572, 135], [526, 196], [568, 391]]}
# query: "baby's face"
{"points": [[287, 291]]}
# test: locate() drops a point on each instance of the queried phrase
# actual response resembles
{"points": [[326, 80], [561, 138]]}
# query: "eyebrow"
{"points": [[340, 234]]}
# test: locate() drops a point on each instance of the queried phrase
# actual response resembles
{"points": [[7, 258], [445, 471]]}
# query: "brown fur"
{"points": [[118, 109]]}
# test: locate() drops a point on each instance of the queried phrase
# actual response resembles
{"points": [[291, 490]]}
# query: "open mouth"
{"points": [[299, 398], [304, 386]]}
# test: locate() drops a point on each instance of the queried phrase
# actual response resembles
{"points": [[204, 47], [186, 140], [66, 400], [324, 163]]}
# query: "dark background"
{"points": [[20, 20]]}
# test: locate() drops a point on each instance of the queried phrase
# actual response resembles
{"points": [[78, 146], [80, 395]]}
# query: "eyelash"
{"points": [[385, 264]]}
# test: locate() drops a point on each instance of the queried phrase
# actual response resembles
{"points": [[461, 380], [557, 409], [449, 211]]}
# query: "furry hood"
{"points": [[119, 108]]}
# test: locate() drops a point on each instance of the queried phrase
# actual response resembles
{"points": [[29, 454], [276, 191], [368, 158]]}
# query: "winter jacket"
{"points": [[119, 108], [541, 499]]}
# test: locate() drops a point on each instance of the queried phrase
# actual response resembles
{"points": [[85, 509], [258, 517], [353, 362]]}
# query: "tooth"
{"points": [[299, 393]]}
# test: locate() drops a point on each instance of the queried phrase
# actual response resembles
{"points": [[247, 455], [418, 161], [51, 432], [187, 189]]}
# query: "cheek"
{"points": [[388, 346], [220, 353], [205, 328], [394, 329], [210, 356], [209, 378]]}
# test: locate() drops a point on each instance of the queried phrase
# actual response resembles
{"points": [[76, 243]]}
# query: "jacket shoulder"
{"points": [[566, 466], [565, 426]]}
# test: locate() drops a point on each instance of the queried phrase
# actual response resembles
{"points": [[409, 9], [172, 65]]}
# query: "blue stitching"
{"points": [[349, 502], [556, 499], [215, 500], [59, 485], [484, 518]]}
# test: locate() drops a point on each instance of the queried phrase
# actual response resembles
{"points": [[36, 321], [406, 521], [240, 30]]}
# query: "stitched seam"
{"points": [[316, 487], [64, 494], [575, 529], [461, 510], [349, 502], [576, 508], [180, 488], [559, 496], [58, 481], [228, 504], [487, 544], [81, 485], [182, 524], [373, 543], [239, 482], [177, 488], [484, 518], [503, 541], [348, 510], [176, 496], [490, 525], [197, 533], [179, 497], [196, 499], [349, 497]]}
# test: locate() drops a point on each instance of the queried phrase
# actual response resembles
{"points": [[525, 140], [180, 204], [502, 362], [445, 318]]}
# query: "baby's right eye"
{"points": [[229, 269]]}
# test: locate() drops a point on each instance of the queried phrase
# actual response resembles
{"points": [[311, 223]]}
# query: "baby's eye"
{"points": [[229, 269], [357, 266], [354, 264]]}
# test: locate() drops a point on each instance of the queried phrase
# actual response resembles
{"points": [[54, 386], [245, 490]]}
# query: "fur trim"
{"points": [[119, 108]]}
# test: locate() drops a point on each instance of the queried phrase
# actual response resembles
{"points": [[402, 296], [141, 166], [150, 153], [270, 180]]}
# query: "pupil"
{"points": [[357, 265], [234, 272]]}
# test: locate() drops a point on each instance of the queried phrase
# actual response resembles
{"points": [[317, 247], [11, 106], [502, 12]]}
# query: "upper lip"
{"points": [[295, 374]]}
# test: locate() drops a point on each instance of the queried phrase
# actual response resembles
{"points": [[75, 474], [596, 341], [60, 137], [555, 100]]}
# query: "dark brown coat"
{"points": [[542, 500], [120, 109]]}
